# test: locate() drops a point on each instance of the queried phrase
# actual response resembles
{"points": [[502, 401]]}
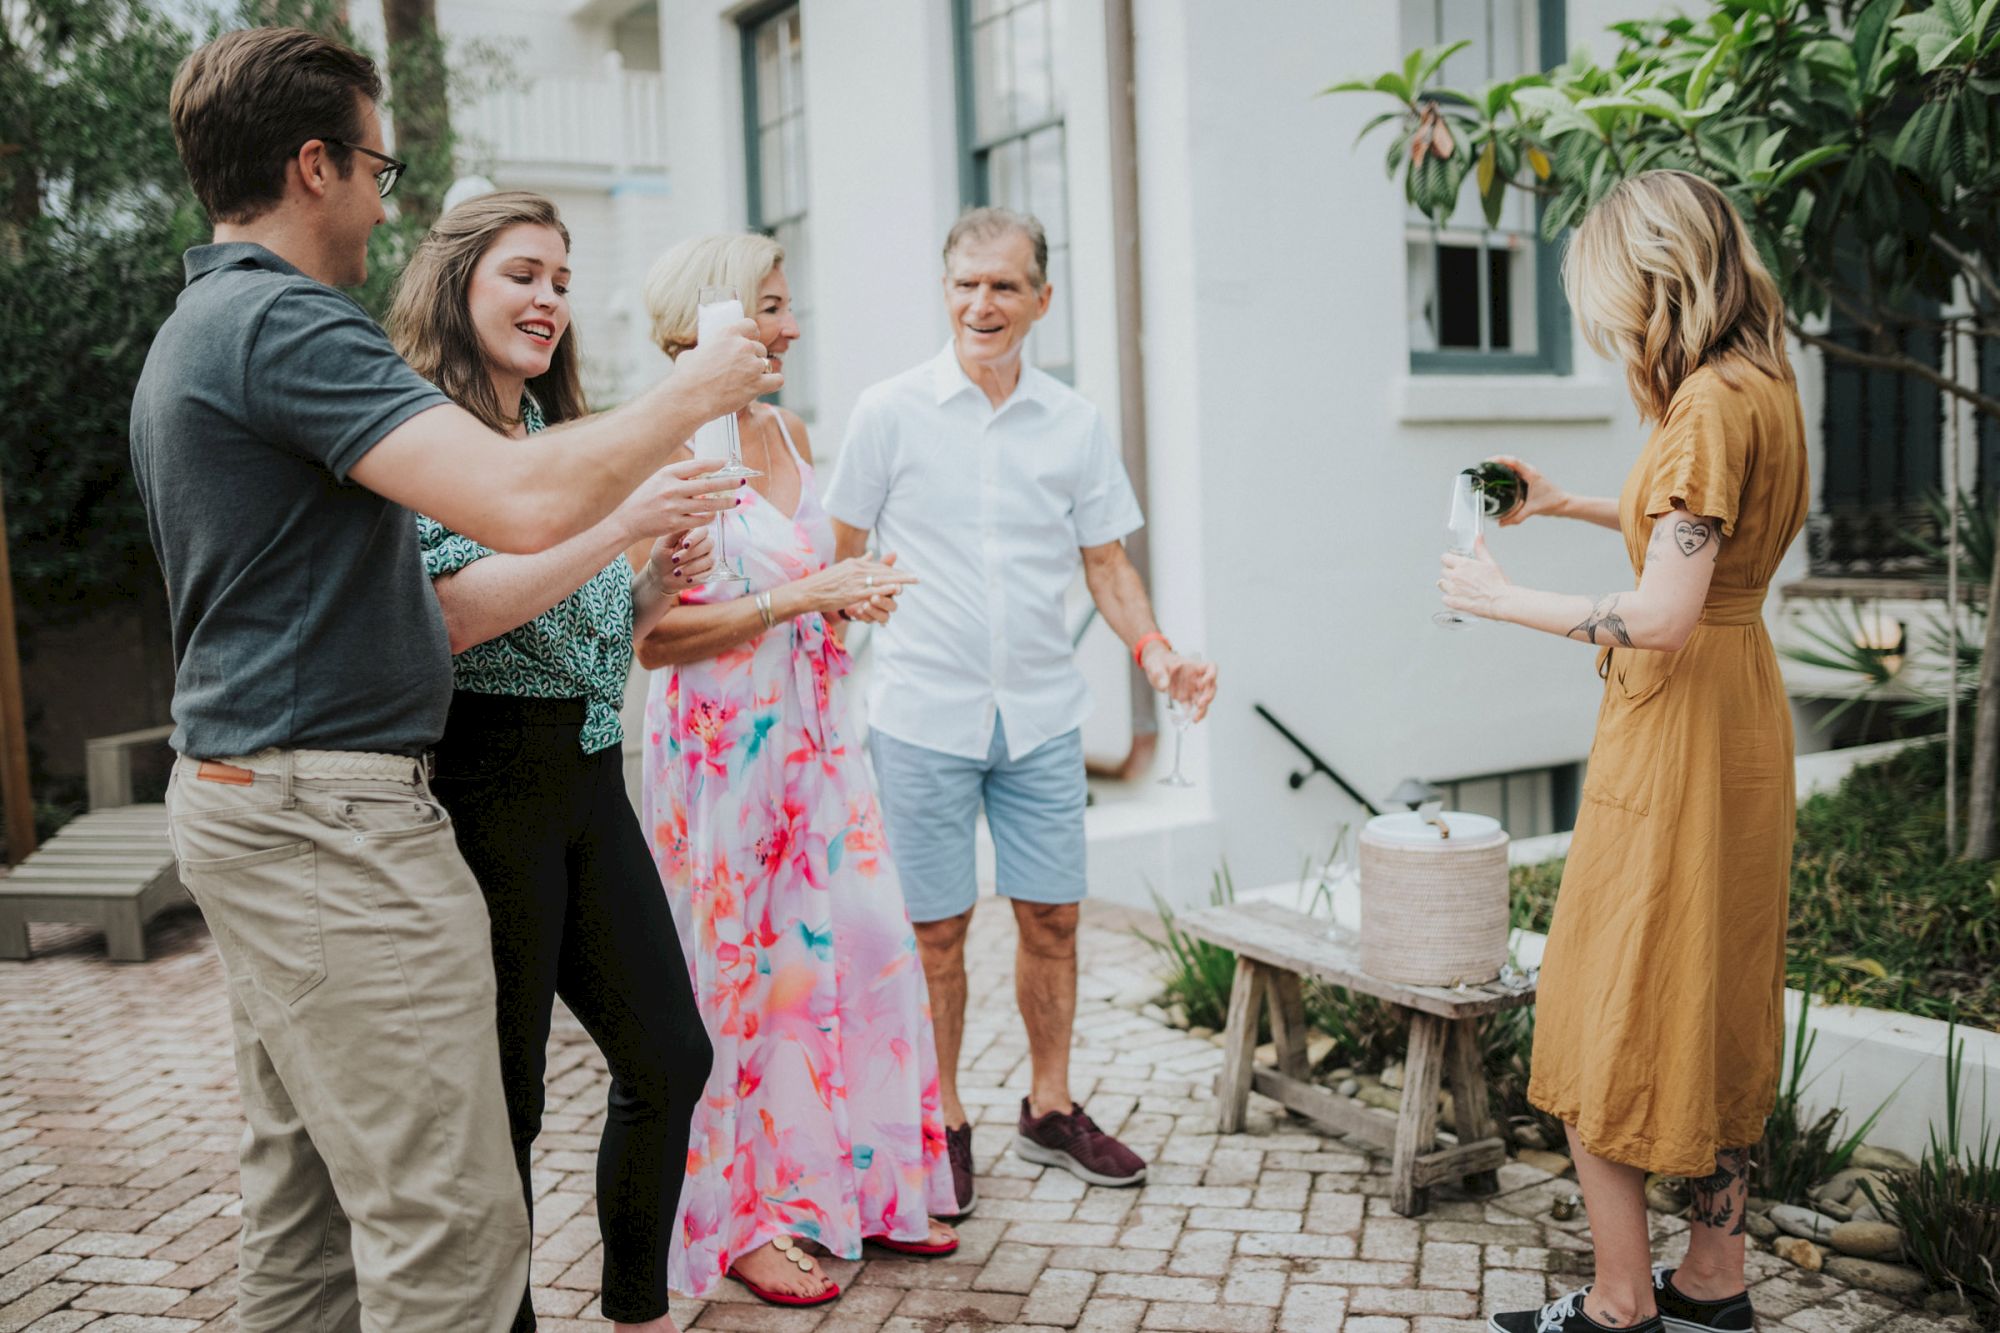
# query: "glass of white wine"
{"points": [[1461, 527]]}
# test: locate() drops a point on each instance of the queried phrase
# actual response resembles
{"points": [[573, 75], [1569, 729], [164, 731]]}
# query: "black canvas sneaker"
{"points": [[1565, 1316], [1684, 1314]]}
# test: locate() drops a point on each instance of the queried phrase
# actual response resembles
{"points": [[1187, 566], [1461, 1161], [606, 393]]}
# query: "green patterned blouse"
{"points": [[579, 648]]}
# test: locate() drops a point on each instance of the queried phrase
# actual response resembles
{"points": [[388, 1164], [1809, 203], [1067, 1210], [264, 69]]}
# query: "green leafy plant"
{"points": [[1949, 1207], [1200, 975], [1797, 1153]]}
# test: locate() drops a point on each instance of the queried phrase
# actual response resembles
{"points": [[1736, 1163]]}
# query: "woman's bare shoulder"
{"points": [[795, 424]]}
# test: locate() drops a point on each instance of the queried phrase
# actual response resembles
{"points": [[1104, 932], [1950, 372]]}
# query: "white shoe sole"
{"points": [[1030, 1151]]}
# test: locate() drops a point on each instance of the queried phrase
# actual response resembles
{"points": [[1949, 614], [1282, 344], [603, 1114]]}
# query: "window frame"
{"points": [[1552, 317], [748, 23], [974, 188]]}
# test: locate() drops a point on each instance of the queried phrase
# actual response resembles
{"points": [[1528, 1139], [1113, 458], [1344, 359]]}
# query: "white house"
{"points": [[1300, 365]]}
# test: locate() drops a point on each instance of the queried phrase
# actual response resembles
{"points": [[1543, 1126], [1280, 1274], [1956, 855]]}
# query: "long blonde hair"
{"points": [[1663, 276], [728, 259], [431, 324]]}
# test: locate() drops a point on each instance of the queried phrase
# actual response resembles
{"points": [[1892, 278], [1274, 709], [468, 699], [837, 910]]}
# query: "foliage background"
{"points": [[95, 212]]}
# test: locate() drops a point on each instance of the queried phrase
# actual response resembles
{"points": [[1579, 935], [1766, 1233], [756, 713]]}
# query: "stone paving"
{"points": [[118, 1204]]}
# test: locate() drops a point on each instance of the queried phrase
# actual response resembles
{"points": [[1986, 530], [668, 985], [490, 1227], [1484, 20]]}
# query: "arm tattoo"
{"points": [[1690, 536], [1722, 1198], [1604, 616]]}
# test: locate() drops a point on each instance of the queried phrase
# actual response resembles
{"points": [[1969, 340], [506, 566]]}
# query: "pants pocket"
{"points": [[264, 909]]}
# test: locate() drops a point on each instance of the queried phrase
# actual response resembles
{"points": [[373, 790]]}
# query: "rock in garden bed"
{"points": [[1802, 1222], [1888, 1279], [1804, 1253], [1868, 1240]]}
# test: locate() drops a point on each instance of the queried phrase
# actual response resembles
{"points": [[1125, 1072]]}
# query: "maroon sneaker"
{"points": [[958, 1148], [1071, 1140]]}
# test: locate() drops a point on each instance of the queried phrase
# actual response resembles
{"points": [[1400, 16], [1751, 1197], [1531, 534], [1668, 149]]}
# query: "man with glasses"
{"points": [[279, 445]]}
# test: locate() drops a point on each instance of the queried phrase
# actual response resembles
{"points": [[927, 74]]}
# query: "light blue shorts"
{"points": [[930, 812]]}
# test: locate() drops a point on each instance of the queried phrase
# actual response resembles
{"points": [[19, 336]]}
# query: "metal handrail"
{"points": [[1299, 779]]}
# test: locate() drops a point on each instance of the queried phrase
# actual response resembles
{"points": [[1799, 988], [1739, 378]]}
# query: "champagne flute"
{"points": [[1181, 715], [718, 308], [1461, 528]]}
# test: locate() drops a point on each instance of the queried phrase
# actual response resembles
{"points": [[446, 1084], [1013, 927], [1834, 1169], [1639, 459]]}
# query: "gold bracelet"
{"points": [[764, 609]]}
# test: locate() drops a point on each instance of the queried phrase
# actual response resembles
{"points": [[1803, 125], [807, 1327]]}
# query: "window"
{"points": [[774, 124], [1486, 299], [1882, 434], [1010, 124], [1529, 803]]}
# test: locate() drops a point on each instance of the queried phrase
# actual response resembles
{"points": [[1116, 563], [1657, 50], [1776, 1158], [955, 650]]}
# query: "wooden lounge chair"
{"points": [[112, 867]]}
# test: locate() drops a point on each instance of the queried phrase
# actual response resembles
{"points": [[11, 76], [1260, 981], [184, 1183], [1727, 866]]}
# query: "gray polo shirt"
{"points": [[301, 614]]}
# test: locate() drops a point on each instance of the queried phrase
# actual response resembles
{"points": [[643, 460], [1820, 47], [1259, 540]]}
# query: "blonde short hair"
{"points": [[673, 286], [1664, 277]]}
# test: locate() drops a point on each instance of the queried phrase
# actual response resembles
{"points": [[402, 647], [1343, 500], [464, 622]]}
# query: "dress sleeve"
{"points": [[1700, 462], [444, 551]]}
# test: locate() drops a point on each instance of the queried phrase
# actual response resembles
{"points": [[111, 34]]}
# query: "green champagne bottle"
{"points": [[1501, 489]]}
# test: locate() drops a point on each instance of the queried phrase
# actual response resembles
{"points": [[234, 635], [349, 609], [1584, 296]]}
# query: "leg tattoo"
{"points": [[1722, 1198]]}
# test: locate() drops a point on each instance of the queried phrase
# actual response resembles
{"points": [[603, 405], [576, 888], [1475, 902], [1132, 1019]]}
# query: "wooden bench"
{"points": [[1275, 947], [112, 868]]}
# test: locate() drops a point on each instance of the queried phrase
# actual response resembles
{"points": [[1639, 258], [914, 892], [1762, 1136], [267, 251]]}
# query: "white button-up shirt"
{"points": [[989, 508]]}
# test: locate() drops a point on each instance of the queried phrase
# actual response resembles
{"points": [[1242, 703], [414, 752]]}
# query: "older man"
{"points": [[994, 481]]}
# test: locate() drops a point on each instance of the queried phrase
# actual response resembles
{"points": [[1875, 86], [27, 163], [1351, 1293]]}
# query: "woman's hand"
{"points": [[683, 559], [1544, 496], [1187, 680], [1473, 583], [852, 583], [678, 497], [876, 608]]}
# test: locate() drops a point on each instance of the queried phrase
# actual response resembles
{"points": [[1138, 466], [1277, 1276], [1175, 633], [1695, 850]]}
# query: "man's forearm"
{"points": [[1121, 598], [601, 460]]}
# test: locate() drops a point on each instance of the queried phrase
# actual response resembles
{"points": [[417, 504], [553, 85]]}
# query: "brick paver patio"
{"points": [[118, 1205]]}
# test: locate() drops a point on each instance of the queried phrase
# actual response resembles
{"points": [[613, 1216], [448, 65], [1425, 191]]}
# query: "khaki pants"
{"points": [[379, 1190]]}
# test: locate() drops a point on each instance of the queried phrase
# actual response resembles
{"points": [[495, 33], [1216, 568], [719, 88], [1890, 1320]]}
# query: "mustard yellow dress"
{"points": [[1660, 1011]]}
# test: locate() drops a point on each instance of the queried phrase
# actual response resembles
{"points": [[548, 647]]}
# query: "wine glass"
{"points": [[719, 308], [1461, 526], [1181, 715]]}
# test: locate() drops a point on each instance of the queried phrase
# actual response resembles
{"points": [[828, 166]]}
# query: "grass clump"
{"points": [[1949, 1207]]}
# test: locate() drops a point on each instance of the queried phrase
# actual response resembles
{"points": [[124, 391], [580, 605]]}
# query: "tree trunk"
{"points": [[419, 106], [1982, 841]]}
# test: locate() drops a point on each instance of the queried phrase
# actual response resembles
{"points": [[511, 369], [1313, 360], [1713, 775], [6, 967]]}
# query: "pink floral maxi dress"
{"points": [[821, 1117]]}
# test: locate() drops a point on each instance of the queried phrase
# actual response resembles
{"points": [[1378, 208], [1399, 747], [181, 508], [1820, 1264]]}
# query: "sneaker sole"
{"points": [[1690, 1326], [1029, 1150]]}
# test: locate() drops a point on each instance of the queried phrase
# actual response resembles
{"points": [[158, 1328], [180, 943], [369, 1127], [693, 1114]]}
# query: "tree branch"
{"points": [[1974, 269], [1984, 404]]}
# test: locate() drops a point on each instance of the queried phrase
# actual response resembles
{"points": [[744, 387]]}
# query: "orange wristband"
{"points": [[1139, 648]]}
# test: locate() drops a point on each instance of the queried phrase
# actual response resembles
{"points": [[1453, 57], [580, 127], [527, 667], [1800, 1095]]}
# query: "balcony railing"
{"points": [[611, 121]]}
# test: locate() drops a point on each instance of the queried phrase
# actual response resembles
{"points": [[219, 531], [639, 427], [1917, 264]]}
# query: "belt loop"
{"points": [[286, 759]]}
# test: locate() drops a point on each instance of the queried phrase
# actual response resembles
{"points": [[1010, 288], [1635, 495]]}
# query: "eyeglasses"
{"points": [[386, 177]]}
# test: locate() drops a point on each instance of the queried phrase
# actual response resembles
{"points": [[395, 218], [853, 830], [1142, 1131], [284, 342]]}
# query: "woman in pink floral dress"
{"points": [[820, 1122]]}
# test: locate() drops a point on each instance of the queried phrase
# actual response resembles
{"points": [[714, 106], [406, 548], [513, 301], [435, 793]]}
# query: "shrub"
{"points": [[1796, 1154], [1949, 1207], [1200, 974]]}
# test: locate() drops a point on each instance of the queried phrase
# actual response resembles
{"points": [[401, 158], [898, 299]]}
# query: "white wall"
{"points": [[1298, 470]]}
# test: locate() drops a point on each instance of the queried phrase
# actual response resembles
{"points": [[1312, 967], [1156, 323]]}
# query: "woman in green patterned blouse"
{"points": [[530, 765]]}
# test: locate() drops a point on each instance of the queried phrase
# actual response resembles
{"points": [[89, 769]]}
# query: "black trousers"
{"points": [[578, 911]]}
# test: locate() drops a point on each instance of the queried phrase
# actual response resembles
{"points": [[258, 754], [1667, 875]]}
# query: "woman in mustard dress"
{"points": [[1660, 1015]]}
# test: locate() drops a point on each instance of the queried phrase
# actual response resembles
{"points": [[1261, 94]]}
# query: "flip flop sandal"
{"points": [[789, 1248], [922, 1249]]}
